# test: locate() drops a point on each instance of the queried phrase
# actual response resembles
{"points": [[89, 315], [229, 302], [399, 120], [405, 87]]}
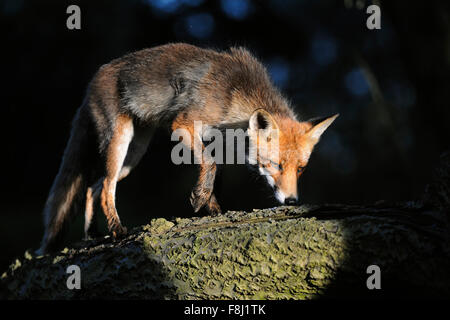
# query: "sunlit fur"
{"points": [[296, 141], [170, 87]]}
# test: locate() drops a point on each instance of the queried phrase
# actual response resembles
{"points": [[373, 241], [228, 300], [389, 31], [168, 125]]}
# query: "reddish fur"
{"points": [[113, 166], [292, 141], [296, 141], [202, 194], [168, 86]]}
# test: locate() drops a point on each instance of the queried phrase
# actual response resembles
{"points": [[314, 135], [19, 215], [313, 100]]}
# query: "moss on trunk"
{"points": [[287, 252]]}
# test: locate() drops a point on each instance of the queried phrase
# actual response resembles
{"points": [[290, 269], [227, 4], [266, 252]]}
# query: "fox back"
{"points": [[174, 86]]}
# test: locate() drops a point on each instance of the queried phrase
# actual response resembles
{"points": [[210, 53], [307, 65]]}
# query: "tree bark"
{"points": [[280, 253]]}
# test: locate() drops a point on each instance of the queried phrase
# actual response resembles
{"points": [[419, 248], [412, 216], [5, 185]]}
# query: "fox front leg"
{"points": [[213, 206], [202, 195]]}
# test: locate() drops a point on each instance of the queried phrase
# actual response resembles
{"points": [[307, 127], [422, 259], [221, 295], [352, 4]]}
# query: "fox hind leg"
{"points": [[115, 157], [128, 145], [90, 223]]}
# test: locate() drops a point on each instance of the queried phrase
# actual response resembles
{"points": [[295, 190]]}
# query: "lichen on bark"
{"points": [[300, 252]]}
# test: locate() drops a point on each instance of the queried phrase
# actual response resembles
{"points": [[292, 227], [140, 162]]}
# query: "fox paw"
{"points": [[213, 206], [119, 231], [198, 200]]}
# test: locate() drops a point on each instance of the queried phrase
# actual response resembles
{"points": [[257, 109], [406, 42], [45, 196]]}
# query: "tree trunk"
{"points": [[280, 253]]}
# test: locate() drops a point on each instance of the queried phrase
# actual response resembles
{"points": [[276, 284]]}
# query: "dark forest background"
{"points": [[390, 86]]}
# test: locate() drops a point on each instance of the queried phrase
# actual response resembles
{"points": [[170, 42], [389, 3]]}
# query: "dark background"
{"points": [[390, 86]]}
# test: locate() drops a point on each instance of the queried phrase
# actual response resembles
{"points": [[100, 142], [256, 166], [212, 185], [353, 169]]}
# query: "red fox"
{"points": [[172, 86]]}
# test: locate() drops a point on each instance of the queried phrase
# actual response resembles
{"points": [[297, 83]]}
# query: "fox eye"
{"points": [[269, 163], [277, 166], [300, 169]]}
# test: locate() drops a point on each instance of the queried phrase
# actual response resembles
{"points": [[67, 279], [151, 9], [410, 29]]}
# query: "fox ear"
{"points": [[319, 125], [261, 120]]}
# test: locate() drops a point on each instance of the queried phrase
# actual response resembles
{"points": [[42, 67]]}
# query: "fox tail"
{"points": [[66, 194]]}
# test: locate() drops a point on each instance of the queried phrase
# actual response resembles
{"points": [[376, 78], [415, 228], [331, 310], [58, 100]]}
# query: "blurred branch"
{"points": [[384, 109]]}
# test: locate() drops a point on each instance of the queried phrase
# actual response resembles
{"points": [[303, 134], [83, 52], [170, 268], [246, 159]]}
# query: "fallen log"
{"points": [[280, 253], [300, 252]]}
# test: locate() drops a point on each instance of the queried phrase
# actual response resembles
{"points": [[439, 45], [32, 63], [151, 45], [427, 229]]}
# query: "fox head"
{"points": [[281, 147]]}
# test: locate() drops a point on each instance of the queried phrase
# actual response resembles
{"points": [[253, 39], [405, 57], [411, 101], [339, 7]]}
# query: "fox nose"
{"points": [[290, 201]]}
